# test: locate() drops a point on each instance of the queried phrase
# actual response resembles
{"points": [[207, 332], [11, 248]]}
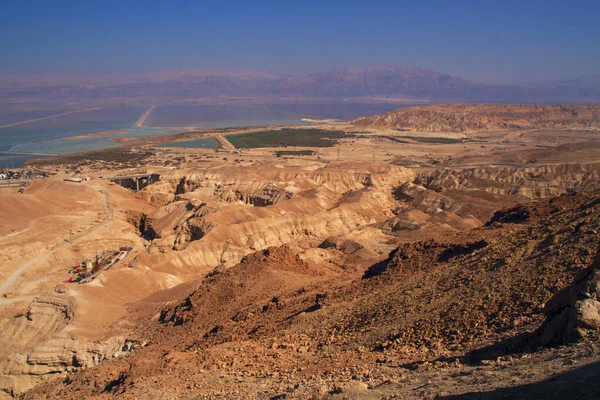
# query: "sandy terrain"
{"points": [[262, 262]]}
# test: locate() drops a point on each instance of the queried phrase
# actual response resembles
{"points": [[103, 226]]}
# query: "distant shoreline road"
{"points": [[225, 143], [22, 153], [48, 117], [140, 123]]}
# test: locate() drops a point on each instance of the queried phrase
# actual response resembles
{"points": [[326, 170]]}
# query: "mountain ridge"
{"points": [[485, 117], [408, 82]]}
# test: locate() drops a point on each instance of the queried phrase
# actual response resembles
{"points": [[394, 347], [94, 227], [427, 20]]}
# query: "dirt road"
{"points": [[10, 281], [225, 143]]}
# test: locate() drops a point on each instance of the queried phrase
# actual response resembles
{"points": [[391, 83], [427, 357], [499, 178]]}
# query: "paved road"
{"points": [[4, 288]]}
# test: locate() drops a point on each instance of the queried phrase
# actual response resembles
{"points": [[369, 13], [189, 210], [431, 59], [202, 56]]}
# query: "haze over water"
{"points": [[47, 136]]}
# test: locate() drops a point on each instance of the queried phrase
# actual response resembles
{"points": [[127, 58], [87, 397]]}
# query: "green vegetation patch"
{"points": [[119, 156], [281, 153], [287, 137], [437, 139], [432, 139]]}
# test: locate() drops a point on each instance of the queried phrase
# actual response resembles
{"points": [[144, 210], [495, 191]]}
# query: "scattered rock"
{"points": [[573, 313]]}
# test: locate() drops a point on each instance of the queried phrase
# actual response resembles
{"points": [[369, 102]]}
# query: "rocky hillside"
{"points": [[435, 318], [485, 117]]}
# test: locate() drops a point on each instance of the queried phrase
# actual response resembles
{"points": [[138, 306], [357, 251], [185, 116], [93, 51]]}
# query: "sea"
{"points": [[31, 134]]}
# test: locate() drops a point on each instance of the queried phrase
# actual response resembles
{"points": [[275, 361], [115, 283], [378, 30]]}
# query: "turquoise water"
{"points": [[12, 116], [208, 143], [81, 123], [46, 136], [284, 113], [13, 160], [59, 146], [220, 116]]}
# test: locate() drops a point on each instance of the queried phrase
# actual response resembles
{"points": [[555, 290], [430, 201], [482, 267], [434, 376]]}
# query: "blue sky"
{"points": [[494, 41]]}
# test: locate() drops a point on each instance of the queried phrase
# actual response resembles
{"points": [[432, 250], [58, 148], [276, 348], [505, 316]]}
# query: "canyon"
{"points": [[429, 252]]}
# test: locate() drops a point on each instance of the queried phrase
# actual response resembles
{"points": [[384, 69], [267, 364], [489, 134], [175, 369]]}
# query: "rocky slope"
{"points": [[464, 198], [484, 117], [219, 215], [340, 218], [523, 182], [573, 314], [37, 344], [437, 317]]}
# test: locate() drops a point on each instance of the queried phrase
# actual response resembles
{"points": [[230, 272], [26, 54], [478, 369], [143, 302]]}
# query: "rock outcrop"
{"points": [[177, 224], [346, 246], [524, 182], [35, 346], [477, 193], [239, 212], [573, 313]]}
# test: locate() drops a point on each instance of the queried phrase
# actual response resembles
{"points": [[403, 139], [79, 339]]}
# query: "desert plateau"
{"points": [[316, 200], [445, 251]]}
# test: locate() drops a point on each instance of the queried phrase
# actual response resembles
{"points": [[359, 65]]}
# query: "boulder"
{"points": [[573, 313], [346, 246]]}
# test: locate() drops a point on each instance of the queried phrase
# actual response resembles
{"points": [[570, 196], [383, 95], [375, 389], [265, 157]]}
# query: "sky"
{"points": [[485, 40]]}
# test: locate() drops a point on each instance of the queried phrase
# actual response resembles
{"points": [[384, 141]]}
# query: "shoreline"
{"points": [[127, 143], [96, 135]]}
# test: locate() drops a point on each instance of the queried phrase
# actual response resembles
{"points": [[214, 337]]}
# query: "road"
{"points": [[225, 143], [48, 117], [13, 184], [140, 123], [10, 281]]}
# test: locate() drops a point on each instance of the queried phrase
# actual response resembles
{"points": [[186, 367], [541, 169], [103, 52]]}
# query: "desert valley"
{"points": [[300, 200], [439, 251]]}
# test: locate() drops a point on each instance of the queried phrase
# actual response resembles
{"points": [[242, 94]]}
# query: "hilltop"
{"points": [[485, 117]]}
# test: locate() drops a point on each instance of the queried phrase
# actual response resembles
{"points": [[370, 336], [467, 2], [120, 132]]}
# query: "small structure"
{"points": [[76, 180], [87, 265]]}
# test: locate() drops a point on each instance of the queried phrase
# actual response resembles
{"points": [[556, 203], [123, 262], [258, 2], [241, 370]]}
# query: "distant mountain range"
{"points": [[381, 83]]}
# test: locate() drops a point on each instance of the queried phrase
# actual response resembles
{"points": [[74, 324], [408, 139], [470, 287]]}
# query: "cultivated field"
{"points": [[288, 137]]}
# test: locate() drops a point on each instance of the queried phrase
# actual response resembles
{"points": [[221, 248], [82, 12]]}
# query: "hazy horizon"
{"points": [[285, 71], [495, 42]]}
